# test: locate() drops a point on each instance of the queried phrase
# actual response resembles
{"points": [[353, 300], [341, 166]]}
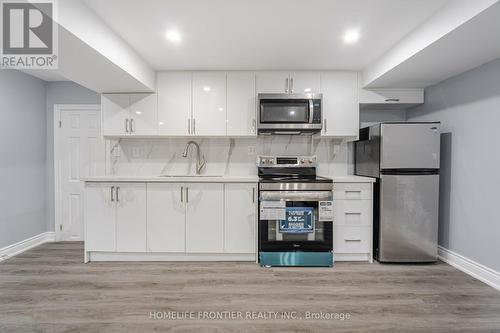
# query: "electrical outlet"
{"points": [[251, 150]]}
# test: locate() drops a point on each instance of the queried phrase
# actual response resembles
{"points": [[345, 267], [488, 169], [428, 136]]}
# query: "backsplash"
{"points": [[225, 156]]}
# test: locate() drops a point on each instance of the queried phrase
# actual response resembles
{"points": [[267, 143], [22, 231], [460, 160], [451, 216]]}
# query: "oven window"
{"points": [[284, 111]]}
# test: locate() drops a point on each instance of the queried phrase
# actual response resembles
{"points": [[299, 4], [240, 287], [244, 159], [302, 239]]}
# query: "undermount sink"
{"points": [[184, 176]]}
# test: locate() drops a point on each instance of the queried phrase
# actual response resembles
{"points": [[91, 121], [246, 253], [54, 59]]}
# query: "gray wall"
{"points": [[22, 157], [60, 93], [468, 106], [371, 117]]}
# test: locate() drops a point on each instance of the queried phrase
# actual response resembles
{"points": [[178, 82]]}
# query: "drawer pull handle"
{"points": [[352, 240]]}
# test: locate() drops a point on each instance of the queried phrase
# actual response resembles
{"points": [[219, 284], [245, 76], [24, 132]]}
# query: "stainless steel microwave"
{"points": [[289, 113]]}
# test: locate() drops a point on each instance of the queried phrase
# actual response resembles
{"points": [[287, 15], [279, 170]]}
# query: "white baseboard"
{"points": [[468, 266], [26, 244], [151, 256]]}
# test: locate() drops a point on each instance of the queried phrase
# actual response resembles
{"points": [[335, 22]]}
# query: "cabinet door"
{"points": [[99, 218], [241, 99], [166, 217], [304, 82], [209, 103], [240, 218], [131, 217], [340, 104], [115, 114], [272, 82], [174, 103], [204, 218], [143, 112]]}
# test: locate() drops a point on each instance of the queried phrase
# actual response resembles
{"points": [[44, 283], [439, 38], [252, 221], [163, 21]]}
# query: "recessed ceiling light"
{"points": [[173, 36], [138, 112], [351, 36], [307, 90], [206, 88]]}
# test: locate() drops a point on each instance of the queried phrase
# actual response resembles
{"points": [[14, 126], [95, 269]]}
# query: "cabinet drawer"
{"points": [[348, 239], [352, 191], [352, 212]]}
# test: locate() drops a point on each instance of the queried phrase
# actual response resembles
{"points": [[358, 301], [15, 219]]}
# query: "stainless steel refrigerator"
{"points": [[404, 157]]}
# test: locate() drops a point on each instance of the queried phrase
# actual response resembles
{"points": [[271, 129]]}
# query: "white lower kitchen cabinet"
{"points": [[204, 218], [240, 217], [115, 217], [166, 230], [130, 203], [353, 221], [100, 217]]}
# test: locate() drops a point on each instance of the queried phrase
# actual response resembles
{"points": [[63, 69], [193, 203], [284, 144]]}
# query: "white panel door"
{"points": [[272, 82], [240, 219], [340, 104], [304, 82], [115, 114], [131, 217], [209, 103], [241, 98], [166, 217], [143, 114], [80, 154], [204, 217], [174, 103], [100, 227]]}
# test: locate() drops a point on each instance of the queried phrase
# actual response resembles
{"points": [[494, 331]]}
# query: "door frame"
{"points": [[58, 108]]}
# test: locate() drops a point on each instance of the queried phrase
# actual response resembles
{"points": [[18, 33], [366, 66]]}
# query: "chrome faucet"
{"points": [[200, 162]]}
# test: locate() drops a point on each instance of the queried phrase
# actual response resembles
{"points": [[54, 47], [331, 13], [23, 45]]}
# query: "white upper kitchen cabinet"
{"points": [[143, 114], [241, 98], [204, 218], [340, 104], [130, 217], [273, 82], [240, 218], [166, 217], [100, 217], [390, 99], [304, 82], [174, 103], [129, 114], [115, 114], [209, 104]]}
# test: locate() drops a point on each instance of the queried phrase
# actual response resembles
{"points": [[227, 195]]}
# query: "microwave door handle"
{"points": [[311, 111]]}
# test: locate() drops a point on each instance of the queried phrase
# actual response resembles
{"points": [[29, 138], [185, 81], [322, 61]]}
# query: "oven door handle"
{"points": [[296, 195], [311, 111]]}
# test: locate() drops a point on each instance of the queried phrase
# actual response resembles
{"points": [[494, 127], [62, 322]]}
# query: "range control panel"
{"points": [[286, 161]]}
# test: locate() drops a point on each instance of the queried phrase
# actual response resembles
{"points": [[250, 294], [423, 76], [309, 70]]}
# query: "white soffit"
{"points": [[454, 40]]}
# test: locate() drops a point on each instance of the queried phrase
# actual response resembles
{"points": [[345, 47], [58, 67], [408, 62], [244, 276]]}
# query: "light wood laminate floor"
{"points": [[49, 289]]}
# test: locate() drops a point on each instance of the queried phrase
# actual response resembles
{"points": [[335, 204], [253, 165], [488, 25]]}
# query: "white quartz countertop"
{"points": [[353, 179], [208, 179], [173, 179]]}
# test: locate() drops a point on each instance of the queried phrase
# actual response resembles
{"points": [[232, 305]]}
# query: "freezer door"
{"points": [[408, 228], [410, 146]]}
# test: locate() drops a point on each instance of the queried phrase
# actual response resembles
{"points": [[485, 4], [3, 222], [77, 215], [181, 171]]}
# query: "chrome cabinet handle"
{"points": [[112, 190], [117, 194], [254, 125], [189, 126], [392, 99], [194, 125], [182, 194], [324, 124], [291, 85], [352, 240], [187, 194], [253, 194], [126, 125], [132, 125], [287, 87]]}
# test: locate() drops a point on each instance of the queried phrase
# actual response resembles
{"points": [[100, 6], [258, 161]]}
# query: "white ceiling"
{"points": [[262, 34]]}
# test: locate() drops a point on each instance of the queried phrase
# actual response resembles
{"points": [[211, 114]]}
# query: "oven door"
{"points": [[302, 226]]}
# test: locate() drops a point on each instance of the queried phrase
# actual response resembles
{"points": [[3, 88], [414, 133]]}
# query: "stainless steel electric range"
{"points": [[295, 212]]}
